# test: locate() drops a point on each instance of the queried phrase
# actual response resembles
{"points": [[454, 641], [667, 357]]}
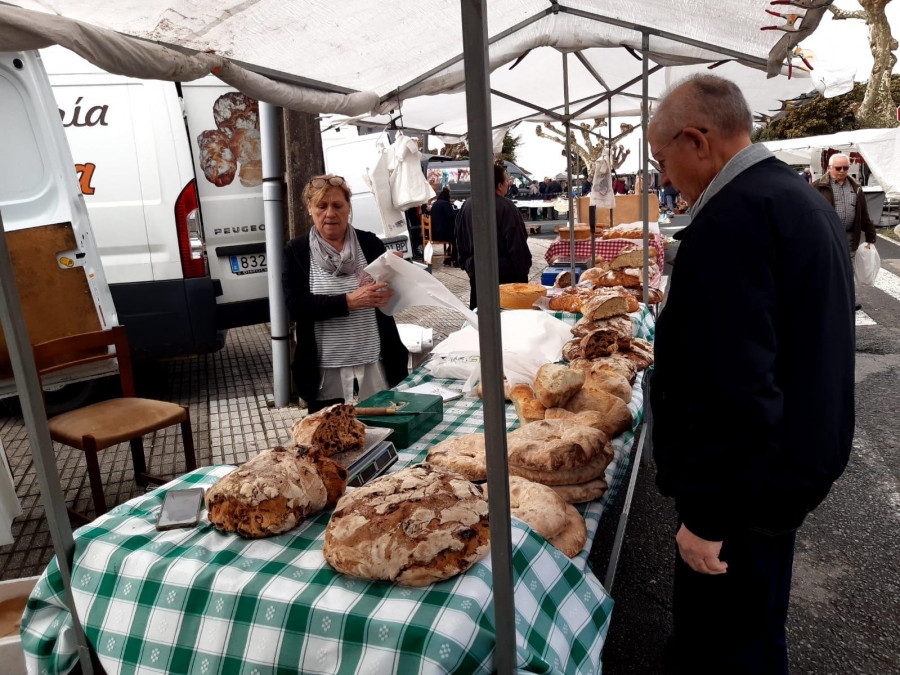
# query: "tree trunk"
{"points": [[303, 160], [877, 109]]}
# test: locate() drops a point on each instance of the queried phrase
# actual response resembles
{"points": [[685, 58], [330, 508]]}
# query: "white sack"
{"points": [[409, 187], [530, 339], [602, 195], [866, 265], [378, 179], [413, 287], [9, 501]]}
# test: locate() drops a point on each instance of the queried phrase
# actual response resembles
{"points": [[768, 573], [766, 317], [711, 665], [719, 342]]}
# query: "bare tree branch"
{"points": [[844, 14]]}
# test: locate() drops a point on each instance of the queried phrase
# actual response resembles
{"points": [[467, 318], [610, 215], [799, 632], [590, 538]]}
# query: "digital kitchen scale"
{"points": [[376, 456]]}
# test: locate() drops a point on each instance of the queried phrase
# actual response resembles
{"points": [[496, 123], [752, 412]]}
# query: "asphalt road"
{"points": [[845, 609]]}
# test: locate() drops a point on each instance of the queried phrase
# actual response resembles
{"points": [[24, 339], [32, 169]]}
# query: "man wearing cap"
{"points": [[752, 392]]}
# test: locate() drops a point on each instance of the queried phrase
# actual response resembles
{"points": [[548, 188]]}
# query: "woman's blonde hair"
{"points": [[317, 186]]}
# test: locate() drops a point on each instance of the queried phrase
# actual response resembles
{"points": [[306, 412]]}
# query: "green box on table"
{"points": [[407, 428]]}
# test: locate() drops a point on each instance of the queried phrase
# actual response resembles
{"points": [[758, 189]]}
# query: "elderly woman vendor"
{"points": [[346, 348]]}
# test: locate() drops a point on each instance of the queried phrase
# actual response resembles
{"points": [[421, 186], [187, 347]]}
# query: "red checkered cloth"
{"points": [[606, 249]]}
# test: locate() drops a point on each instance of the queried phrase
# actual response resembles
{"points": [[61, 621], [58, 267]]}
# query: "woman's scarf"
{"points": [[336, 263]]}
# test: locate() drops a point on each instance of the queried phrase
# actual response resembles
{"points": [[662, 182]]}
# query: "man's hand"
{"points": [[701, 556]]}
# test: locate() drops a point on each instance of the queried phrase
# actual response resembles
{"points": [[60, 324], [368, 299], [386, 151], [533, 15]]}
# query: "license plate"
{"points": [[253, 263], [396, 246]]}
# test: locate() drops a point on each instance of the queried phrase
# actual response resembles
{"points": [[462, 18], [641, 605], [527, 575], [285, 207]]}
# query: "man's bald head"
{"points": [[704, 101]]}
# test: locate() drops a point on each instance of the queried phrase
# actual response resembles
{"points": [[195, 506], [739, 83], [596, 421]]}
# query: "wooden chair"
{"points": [[105, 424], [426, 237]]}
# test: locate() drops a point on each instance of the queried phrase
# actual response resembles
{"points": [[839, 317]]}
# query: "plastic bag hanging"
{"points": [[866, 265], [409, 187], [602, 195]]}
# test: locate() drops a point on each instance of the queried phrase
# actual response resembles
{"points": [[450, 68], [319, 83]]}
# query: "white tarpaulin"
{"points": [[879, 147], [358, 50]]}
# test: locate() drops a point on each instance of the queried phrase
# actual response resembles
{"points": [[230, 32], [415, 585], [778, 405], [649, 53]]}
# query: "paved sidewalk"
{"points": [[228, 393]]}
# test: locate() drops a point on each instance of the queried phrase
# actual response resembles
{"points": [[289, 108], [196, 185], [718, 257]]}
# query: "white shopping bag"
{"points": [[409, 187], [866, 265]]}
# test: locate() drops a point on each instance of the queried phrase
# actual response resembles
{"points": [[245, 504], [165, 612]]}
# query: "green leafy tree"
{"points": [[508, 152], [824, 115]]}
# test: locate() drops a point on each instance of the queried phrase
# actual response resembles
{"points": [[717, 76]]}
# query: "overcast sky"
{"points": [[836, 45]]}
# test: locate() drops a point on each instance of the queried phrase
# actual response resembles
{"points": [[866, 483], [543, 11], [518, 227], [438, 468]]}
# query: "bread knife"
{"points": [[378, 412]]}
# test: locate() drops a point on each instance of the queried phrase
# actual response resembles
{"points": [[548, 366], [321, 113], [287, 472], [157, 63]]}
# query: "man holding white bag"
{"points": [[847, 198]]}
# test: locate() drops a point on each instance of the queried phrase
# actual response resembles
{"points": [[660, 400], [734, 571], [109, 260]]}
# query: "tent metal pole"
{"points": [[456, 59], [273, 196], [32, 401], [484, 219], [609, 150], [646, 31], [645, 122], [520, 101], [590, 68], [565, 68]]}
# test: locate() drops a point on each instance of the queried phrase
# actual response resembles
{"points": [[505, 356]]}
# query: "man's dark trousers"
{"points": [[734, 622]]}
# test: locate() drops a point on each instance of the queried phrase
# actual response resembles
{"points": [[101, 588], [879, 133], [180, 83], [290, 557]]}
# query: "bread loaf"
{"points": [[626, 277], [603, 304], [520, 296], [640, 353], [536, 504], [582, 492], [563, 279], [566, 302], [463, 454], [601, 342], [615, 363], [554, 384], [654, 295], [579, 474], [622, 325], [632, 256], [597, 377], [549, 445], [528, 408], [334, 429], [615, 416], [274, 491], [413, 527], [573, 536], [572, 350]]}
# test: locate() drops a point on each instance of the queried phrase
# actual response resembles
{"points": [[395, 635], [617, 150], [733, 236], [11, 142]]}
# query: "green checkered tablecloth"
{"points": [[198, 601]]}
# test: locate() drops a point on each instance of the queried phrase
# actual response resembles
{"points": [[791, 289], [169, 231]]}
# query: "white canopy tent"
{"points": [[879, 147], [362, 56]]}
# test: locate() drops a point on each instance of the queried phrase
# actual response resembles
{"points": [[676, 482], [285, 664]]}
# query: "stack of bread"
{"points": [[274, 491], [624, 273]]}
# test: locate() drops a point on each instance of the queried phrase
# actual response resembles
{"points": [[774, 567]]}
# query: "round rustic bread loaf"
{"points": [[462, 454], [582, 492], [538, 505], [274, 491], [520, 296], [414, 527], [549, 445], [580, 474]]}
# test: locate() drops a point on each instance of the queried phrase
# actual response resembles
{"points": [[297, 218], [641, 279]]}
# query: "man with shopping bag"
{"points": [[849, 201], [752, 394]]}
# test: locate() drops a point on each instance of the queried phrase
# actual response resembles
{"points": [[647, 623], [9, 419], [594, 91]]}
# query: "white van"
{"points": [[59, 275], [184, 254], [171, 175]]}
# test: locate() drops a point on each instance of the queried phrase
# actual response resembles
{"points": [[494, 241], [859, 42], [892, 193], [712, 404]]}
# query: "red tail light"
{"points": [[190, 233]]}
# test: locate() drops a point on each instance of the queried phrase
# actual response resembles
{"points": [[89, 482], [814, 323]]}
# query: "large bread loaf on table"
{"points": [[549, 445], [334, 429], [464, 455], [274, 491], [413, 527], [554, 384], [520, 296], [616, 417], [528, 408]]}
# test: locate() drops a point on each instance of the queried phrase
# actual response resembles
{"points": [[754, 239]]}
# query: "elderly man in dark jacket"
{"points": [[848, 199], [753, 386]]}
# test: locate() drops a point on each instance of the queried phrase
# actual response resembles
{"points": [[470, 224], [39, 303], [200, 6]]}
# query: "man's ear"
{"points": [[699, 140]]}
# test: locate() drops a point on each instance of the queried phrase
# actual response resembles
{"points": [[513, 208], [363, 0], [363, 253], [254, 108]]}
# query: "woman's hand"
{"points": [[370, 295]]}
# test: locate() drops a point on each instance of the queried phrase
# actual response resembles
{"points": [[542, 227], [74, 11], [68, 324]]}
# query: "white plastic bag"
{"points": [[378, 180], [409, 187], [866, 265]]}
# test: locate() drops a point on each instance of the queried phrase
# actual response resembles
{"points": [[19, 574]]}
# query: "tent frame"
{"points": [[475, 57]]}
